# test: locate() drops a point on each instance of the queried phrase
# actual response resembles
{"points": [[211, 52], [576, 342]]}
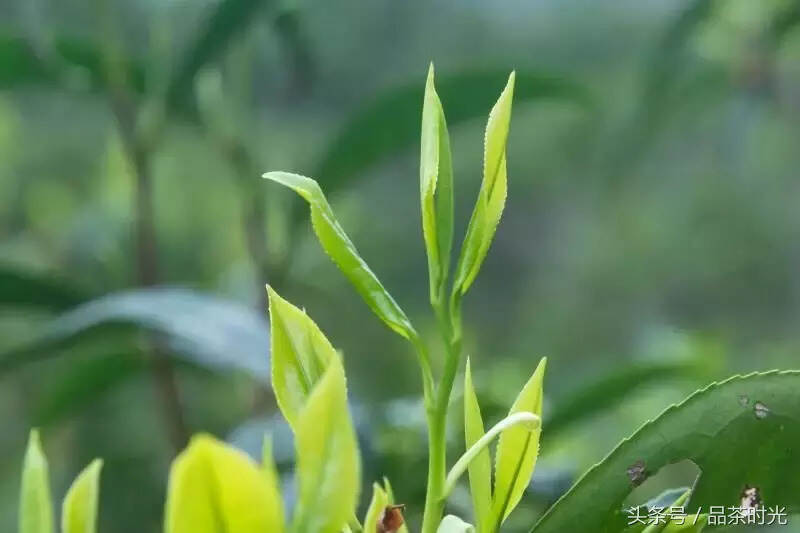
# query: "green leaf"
{"points": [[480, 469], [300, 355], [229, 19], [328, 464], [79, 512], [740, 432], [274, 501], [22, 288], [517, 450], [35, 508], [214, 488], [453, 524], [387, 487], [492, 196], [376, 508], [389, 124], [202, 329], [436, 190], [343, 252]]}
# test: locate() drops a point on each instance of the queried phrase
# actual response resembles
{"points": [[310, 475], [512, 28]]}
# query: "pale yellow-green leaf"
{"points": [[214, 488], [270, 471], [453, 524], [328, 464], [79, 511], [387, 486], [343, 252], [376, 507], [517, 450], [492, 196], [480, 469], [436, 189], [35, 508], [300, 354]]}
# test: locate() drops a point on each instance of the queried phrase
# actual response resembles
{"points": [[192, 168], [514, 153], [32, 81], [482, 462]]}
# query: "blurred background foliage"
{"points": [[649, 244]]}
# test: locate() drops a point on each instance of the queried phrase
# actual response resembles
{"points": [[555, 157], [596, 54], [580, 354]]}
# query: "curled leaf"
{"points": [[300, 354], [36, 508], [79, 514], [376, 506]]}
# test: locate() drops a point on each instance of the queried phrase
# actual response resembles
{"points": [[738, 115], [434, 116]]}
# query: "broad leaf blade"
{"points": [[200, 328], [436, 190], [79, 513], [300, 355], [517, 450], [343, 252], [214, 488], [453, 524], [36, 508], [328, 464], [740, 432], [480, 469], [492, 196], [376, 508]]}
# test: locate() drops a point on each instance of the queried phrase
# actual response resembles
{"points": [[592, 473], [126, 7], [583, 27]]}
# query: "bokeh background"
{"points": [[649, 244]]}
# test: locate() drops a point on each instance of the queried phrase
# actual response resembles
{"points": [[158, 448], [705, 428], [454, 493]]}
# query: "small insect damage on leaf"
{"points": [[761, 411], [637, 473], [391, 519]]}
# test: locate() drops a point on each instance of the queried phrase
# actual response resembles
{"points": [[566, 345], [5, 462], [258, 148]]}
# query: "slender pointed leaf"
{"points": [[214, 488], [301, 353], [517, 450], [436, 190], [492, 196], [79, 514], [343, 252], [274, 501], [376, 508], [480, 469], [328, 464], [740, 433], [36, 507]]}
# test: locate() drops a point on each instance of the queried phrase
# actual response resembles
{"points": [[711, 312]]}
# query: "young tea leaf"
{"points": [[79, 512], [328, 464], [300, 355], [376, 507], [35, 508], [270, 472], [480, 469], [214, 488], [517, 450], [453, 524], [343, 252], [436, 190], [492, 195]]}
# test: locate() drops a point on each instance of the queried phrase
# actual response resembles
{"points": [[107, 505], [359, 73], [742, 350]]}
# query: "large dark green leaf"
{"points": [[391, 122], [203, 329], [19, 288], [740, 433], [229, 18]]}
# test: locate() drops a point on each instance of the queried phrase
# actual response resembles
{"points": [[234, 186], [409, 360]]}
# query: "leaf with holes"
{"points": [[741, 433]]}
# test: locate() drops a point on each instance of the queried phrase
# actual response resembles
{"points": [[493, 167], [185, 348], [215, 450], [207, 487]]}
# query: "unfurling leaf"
{"points": [[300, 355], [376, 508], [328, 464], [214, 488], [270, 472], [517, 450], [480, 469], [36, 508], [453, 524], [79, 512], [387, 487], [343, 252], [436, 190], [492, 195]]}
